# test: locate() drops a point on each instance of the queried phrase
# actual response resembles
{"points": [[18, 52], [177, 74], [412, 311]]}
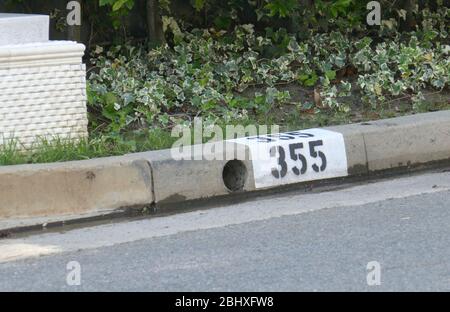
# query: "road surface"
{"points": [[286, 242]]}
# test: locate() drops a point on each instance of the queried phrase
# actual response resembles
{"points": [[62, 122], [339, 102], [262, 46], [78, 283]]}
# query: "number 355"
{"points": [[296, 155]]}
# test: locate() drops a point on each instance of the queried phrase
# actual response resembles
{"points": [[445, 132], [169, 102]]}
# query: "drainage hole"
{"points": [[234, 175]]}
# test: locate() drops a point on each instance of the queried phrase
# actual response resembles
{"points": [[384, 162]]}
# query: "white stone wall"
{"points": [[42, 92]]}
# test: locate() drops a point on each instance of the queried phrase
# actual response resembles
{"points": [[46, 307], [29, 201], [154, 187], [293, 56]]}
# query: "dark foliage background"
{"points": [[115, 21]]}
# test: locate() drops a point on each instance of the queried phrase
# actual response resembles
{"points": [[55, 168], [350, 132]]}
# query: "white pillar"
{"points": [[42, 83]]}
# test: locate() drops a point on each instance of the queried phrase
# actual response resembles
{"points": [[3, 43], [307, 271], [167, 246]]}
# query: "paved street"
{"points": [[289, 242]]}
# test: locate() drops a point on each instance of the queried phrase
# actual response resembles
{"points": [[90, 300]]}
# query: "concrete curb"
{"points": [[77, 187], [155, 178], [183, 180]]}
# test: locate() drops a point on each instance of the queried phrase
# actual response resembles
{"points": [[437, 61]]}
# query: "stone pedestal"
{"points": [[23, 28], [42, 87]]}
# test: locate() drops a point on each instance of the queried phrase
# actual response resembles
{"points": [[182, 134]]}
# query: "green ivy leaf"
{"points": [[330, 74]]}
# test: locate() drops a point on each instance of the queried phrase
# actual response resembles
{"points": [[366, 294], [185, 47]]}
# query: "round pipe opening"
{"points": [[234, 175]]}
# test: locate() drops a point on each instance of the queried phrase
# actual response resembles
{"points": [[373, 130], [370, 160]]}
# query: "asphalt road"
{"points": [[289, 242]]}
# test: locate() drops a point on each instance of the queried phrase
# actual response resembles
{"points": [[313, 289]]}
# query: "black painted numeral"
{"points": [[297, 156], [279, 173], [315, 154]]}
